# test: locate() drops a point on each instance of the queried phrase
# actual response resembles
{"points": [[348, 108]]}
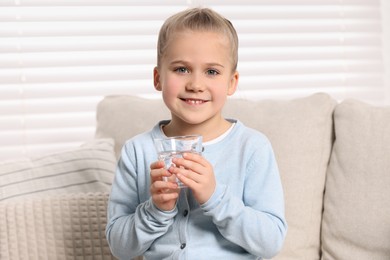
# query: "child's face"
{"points": [[196, 76]]}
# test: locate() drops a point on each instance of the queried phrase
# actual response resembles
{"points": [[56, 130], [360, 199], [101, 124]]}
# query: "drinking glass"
{"points": [[171, 147]]}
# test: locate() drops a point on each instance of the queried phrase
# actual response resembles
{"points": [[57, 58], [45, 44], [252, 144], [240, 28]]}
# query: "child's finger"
{"points": [[189, 164], [157, 165]]}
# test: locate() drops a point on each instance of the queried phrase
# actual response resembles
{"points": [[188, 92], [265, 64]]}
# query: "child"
{"points": [[233, 207]]}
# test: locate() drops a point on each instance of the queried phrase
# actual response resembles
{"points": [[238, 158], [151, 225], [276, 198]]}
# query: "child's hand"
{"points": [[164, 193], [197, 173]]}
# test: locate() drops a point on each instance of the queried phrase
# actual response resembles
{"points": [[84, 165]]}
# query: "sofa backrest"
{"points": [[356, 218], [300, 131]]}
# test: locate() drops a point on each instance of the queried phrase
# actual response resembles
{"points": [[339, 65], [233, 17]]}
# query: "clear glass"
{"points": [[170, 147]]}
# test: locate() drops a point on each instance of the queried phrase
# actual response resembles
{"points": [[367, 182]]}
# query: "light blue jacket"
{"points": [[244, 218]]}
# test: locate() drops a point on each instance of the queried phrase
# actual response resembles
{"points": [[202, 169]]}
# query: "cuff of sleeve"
{"points": [[215, 199], [159, 215]]}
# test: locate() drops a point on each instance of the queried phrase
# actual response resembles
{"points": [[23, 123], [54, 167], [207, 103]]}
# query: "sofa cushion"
{"points": [[300, 131], [356, 221], [68, 226], [87, 168], [301, 134], [122, 117]]}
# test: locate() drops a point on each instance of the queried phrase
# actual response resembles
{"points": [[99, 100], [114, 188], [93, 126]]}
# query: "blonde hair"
{"points": [[197, 19]]}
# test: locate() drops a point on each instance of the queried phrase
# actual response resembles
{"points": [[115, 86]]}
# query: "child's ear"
{"points": [[156, 79], [233, 83]]}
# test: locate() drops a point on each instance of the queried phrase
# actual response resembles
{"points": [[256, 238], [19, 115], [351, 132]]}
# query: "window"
{"points": [[58, 58]]}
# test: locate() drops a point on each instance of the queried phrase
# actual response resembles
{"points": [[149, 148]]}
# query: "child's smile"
{"points": [[194, 101]]}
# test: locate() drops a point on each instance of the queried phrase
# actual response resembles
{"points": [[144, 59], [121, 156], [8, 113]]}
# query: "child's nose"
{"points": [[195, 84]]}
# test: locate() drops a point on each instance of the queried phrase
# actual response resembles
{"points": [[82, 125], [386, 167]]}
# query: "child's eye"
{"points": [[182, 70], [212, 72]]}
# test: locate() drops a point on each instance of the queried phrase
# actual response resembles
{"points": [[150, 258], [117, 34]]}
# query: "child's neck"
{"points": [[209, 130]]}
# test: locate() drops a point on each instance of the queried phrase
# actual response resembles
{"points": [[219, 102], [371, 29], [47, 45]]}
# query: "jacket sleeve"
{"points": [[255, 222], [132, 225]]}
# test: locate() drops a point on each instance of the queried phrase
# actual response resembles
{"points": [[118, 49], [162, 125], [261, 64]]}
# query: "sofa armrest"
{"points": [[59, 227]]}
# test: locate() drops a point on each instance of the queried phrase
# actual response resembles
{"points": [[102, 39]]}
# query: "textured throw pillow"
{"points": [[356, 222], [68, 226], [89, 168], [300, 131]]}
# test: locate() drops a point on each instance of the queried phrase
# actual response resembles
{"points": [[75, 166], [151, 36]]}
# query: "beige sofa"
{"points": [[334, 160]]}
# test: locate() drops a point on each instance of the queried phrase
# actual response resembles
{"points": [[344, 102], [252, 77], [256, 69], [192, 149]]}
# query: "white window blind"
{"points": [[58, 58]]}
